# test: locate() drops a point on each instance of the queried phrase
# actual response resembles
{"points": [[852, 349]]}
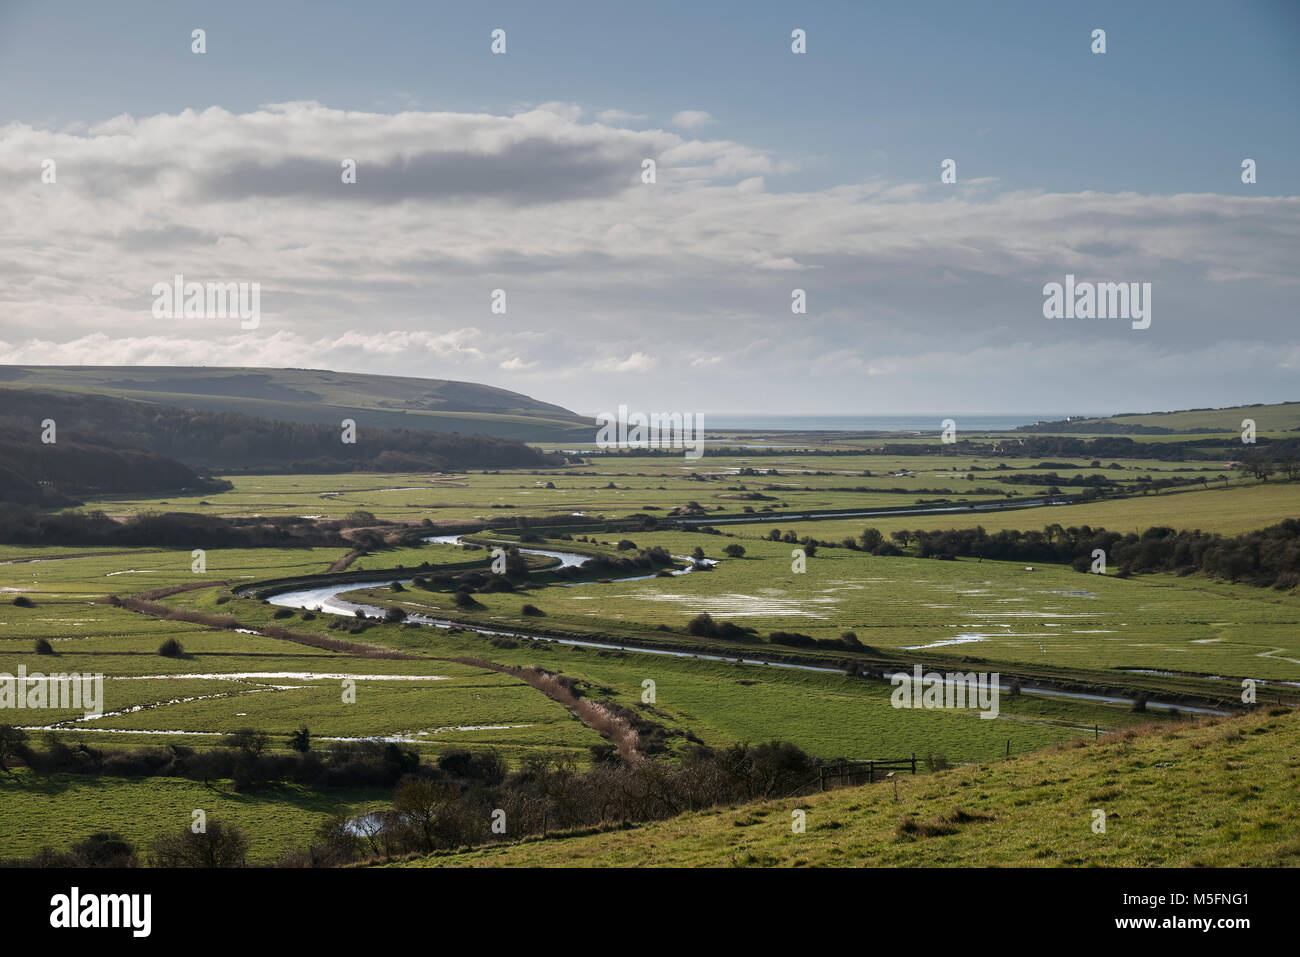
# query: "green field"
{"points": [[1227, 797], [1174, 639]]}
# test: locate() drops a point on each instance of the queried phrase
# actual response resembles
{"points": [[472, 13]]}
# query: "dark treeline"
{"points": [[448, 804], [36, 473], [25, 525], [228, 441], [1268, 556], [1108, 447]]}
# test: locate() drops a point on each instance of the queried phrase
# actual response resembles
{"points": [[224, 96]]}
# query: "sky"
{"points": [[522, 171]]}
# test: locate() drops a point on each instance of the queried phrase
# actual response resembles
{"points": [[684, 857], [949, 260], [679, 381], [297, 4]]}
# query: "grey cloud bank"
{"points": [[918, 294]]}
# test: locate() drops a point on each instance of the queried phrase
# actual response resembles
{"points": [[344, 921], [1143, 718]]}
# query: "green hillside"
{"points": [[1221, 793], [318, 397], [1276, 417]]}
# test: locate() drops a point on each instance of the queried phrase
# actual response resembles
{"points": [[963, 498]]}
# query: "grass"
{"points": [[59, 810], [998, 610], [1228, 795], [1228, 511], [1051, 621]]}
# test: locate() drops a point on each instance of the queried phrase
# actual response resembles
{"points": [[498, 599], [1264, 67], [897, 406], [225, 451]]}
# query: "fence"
{"points": [[844, 771]]}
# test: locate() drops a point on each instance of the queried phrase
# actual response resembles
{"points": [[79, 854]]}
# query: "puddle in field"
{"points": [[220, 734], [282, 675], [1028, 614], [414, 736], [958, 640], [746, 606]]}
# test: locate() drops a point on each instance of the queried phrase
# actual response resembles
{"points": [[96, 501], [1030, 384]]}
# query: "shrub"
{"points": [[43, 647], [22, 601], [703, 626], [219, 845], [531, 611], [171, 648], [281, 613]]}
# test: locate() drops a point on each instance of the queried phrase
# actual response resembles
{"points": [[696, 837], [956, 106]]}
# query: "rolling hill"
{"points": [[1274, 417], [1218, 793], [317, 397]]}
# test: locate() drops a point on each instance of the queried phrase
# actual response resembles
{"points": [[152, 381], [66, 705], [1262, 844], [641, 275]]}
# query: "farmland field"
{"points": [[1085, 646]]}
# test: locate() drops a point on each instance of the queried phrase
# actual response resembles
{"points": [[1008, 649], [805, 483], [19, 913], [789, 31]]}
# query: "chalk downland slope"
{"points": [[316, 396], [1219, 792]]}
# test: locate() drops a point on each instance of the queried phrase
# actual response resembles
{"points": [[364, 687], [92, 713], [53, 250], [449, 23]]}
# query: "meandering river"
{"points": [[327, 599]]}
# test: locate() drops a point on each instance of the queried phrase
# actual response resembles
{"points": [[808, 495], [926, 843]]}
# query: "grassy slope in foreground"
{"points": [[1221, 792]]}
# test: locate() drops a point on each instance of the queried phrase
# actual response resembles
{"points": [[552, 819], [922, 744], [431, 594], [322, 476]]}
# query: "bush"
{"points": [[171, 648], [703, 626], [281, 613], [531, 611], [43, 647], [734, 551], [220, 845], [22, 601]]}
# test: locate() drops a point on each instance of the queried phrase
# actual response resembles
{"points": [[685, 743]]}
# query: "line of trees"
{"points": [[1265, 557], [448, 804], [27, 525]]}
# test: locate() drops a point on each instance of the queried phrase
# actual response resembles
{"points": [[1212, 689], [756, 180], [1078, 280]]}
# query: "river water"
{"points": [[327, 599]]}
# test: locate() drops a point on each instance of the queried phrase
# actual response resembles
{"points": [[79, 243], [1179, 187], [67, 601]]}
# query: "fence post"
{"points": [[871, 772], [913, 762]]}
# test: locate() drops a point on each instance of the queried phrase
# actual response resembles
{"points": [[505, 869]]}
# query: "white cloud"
{"points": [[616, 289], [693, 119]]}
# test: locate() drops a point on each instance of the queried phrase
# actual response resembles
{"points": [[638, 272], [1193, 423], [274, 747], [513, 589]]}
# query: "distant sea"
{"points": [[873, 423]]}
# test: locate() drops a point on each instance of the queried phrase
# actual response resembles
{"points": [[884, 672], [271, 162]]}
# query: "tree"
{"points": [[11, 742], [734, 551], [702, 626], [217, 845], [902, 536], [104, 849], [871, 537], [248, 741], [300, 740], [1258, 465]]}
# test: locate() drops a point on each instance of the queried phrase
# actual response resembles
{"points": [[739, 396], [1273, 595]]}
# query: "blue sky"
{"points": [[818, 171], [1011, 89]]}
